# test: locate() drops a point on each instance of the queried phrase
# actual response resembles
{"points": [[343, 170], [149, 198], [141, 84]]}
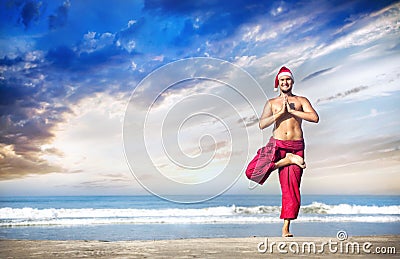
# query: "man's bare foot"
{"points": [[295, 159], [286, 233]]}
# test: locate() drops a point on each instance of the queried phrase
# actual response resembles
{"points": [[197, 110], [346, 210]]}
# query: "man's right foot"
{"points": [[296, 159]]}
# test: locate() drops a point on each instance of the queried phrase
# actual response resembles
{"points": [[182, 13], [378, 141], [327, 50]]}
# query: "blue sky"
{"points": [[68, 69]]}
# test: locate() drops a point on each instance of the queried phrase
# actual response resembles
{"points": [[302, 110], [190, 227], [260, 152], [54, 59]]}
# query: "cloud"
{"points": [[9, 61], [373, 114], [37, 90], [362, 150], [50, 69], [317, 73], [62, 57], [59, 19], [29, 113], [241, 8], [249, 121], [66, 58], [395, 47], [215, 146], [30, 12], [23, 132], [209, 17], [93, 41], [23, 163], [278, 8], [342, 94], [367, 29], [107, 181]]}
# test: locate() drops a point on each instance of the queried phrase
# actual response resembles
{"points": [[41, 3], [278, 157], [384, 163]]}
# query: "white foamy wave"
{"points": [[315, 212], [33, 213], [191, 220], [321, 208]]}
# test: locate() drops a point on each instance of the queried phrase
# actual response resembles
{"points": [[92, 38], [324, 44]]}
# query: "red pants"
{"points": [[260, 168]]}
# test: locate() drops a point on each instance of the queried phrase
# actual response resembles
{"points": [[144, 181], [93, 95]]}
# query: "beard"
{"points": [[286, 91]]}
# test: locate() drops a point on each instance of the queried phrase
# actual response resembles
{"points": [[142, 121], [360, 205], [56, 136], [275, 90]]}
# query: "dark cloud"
{"points": [[24, 129], [71, 60], [36, 90], [10, 93], [29, 114], [33, 100], [10, 61], [315, 74], [110, 56], [343, 94], [17, 12], [59, 19], [30, 12], [61, 56]]}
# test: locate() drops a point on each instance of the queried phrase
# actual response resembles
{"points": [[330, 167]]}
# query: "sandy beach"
{"points": [[250, 247]]}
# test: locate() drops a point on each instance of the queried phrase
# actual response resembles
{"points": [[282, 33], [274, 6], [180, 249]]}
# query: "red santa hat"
{"points": [[284, 71]]}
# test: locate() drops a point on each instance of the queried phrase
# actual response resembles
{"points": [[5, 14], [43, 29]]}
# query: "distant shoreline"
{"points": [[248, 247]]}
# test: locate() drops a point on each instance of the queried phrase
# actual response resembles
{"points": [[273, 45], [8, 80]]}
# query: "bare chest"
{"points": [[293, 103]]}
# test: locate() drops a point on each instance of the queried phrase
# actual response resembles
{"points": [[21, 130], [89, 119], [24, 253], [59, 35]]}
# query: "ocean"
{"points": [[117, 218]]}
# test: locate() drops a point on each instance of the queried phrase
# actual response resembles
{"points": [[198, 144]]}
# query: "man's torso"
{"points": [[287, 127]]}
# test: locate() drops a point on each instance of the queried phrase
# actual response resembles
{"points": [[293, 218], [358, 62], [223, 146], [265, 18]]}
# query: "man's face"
{"points": [[285, 84]]}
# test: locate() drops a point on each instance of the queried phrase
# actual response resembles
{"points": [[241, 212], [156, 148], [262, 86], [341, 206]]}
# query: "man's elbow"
{"points": [[262, 125], [316, 119]]}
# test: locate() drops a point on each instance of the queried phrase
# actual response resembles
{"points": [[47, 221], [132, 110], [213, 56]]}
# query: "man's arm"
{"points": [[267, 117], [308, 113]]}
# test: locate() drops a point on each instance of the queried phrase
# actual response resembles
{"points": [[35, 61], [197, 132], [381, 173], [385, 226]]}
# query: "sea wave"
{"points": [[315, 212], [324, 209], [189, 220]]}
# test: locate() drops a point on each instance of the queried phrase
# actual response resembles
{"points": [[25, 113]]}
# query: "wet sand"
{"points": [[251, 247]]}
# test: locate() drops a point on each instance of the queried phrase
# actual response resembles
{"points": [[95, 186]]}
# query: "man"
{"points": [[285, 150]]}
